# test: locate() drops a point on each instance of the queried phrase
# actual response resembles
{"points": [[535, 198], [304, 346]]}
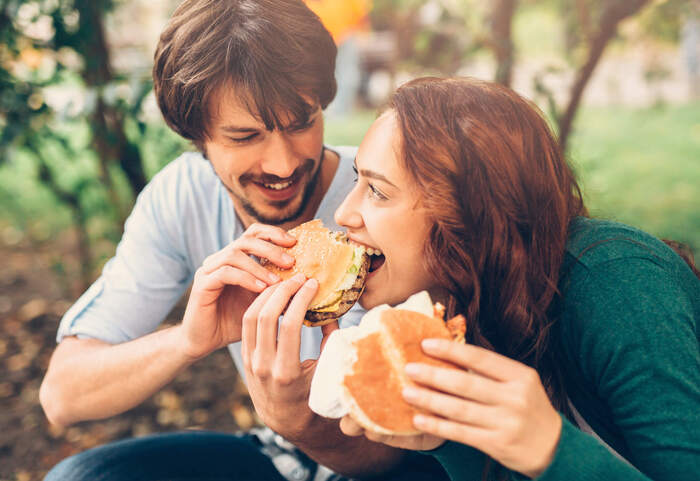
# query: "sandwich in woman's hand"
{"points": [[361, 369], [339, 267]]}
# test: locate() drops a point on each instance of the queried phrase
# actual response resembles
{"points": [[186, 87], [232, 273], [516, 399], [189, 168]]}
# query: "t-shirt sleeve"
{"points": [[632, 329], [147, 275]]}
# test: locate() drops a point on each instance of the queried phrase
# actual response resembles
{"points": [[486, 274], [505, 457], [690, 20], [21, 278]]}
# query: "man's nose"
{"points": [[279, 158]]}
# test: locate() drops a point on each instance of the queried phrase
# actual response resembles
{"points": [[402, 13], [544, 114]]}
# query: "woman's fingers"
{"points": [[478, 359], [458, 382], [452, 407], [446, 429], [350, 427]]}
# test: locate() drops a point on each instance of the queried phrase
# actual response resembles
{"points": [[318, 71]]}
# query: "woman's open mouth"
{"points": [[376, 261]]}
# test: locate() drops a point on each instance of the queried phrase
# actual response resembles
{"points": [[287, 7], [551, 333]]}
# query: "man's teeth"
{"points": [[278, 186]]}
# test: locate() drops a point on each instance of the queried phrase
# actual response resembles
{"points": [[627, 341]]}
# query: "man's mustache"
{"points": [[298, 173]]}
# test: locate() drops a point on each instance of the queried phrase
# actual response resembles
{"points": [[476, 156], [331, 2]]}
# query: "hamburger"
{"points": [[339, 267], [361, 369]]}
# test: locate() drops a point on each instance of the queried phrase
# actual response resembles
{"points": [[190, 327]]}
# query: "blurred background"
{"points": [[80, 135]]}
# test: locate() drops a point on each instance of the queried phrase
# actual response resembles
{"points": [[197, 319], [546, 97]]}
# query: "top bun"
{"points": [[361, 369]]}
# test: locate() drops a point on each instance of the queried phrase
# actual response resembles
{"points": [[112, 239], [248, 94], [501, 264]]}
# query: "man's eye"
{"points": [[241, 140], [302, 127]]}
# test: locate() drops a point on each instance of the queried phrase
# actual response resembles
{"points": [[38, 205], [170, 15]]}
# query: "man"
{"points": [[246, 82]]}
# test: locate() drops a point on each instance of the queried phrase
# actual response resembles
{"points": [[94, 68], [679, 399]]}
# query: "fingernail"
{"points": [[299, 277], [273, 277], [287, 259], [430, 344], [260, 284], [412, 369], [311, 283], [410, 393]]}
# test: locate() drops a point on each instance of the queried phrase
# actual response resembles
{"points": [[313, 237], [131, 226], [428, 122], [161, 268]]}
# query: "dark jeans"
{"points": [[211, 456]]}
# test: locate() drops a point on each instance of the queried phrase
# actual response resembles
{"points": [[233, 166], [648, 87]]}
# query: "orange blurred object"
{"points": [[342, 18]]}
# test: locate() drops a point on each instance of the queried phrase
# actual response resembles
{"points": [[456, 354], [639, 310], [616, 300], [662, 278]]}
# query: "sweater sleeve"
{"points": [[631, 327]]}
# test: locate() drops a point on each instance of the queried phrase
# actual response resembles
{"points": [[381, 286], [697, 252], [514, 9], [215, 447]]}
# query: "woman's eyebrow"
{"points": [[377, 176], [372, 174]]}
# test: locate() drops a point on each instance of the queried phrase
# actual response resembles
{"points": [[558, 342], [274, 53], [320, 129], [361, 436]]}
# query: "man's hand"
{"points": [[226, 284], [277, 381]]}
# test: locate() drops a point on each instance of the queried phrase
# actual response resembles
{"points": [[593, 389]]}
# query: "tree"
{"points": [[69, 37]]}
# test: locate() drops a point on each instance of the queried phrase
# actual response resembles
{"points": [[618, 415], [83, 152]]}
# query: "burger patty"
{"points": [[348, 298]]}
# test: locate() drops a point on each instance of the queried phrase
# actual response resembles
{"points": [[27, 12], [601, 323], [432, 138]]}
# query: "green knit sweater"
{"points": [[630, 334]]}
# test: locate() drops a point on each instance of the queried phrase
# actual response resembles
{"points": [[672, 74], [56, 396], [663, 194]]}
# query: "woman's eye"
{"points": [[374, 192], [354, 169]]}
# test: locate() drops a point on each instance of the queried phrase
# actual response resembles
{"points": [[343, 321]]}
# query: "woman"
{"points": [[573, 324]]}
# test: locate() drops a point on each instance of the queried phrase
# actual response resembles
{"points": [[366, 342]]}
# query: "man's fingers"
{"points": [[268, 317], [265, 250], [270, 233], [250, 323], [289, 343], [478, 359], [227, 275]]}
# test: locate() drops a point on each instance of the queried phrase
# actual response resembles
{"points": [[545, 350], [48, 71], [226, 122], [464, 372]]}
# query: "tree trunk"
{"points": [[109, 136], [613, 13], [502, 39]]}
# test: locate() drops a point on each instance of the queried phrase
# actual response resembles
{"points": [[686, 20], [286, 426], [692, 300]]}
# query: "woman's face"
{"points": [[383, 212]]}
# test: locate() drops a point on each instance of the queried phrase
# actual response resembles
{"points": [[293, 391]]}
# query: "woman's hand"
{"points": [[493, 403], [422, 442]]}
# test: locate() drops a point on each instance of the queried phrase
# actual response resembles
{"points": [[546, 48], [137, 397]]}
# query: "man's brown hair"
{"points": [[276, 53]]}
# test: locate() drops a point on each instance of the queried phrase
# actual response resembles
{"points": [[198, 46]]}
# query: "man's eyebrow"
{"points": [[372, 174]]}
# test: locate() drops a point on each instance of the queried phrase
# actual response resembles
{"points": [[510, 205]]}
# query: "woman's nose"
{"points": [[348, 214]]}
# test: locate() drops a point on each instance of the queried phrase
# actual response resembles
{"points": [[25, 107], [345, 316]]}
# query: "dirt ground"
{"points": [[33, 297]]}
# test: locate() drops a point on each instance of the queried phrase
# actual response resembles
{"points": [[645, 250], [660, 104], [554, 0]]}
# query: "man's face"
{"points": [[271, 175]]}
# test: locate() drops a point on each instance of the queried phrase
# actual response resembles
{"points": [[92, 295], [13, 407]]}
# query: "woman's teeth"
{"points": [[278, 186], [369, 250]]}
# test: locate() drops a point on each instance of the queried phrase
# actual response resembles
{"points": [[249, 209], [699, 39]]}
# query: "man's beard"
{"points": [[280, 216]]}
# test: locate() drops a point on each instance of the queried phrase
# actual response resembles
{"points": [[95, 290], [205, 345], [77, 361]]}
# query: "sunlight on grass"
{"points": [[638, 166]]}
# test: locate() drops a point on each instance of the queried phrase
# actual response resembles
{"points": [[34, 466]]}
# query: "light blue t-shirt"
{"points": [[180, 218]]}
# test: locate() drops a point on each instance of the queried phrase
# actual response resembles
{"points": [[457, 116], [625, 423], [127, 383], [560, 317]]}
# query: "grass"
{"points": [[637, 166]]}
